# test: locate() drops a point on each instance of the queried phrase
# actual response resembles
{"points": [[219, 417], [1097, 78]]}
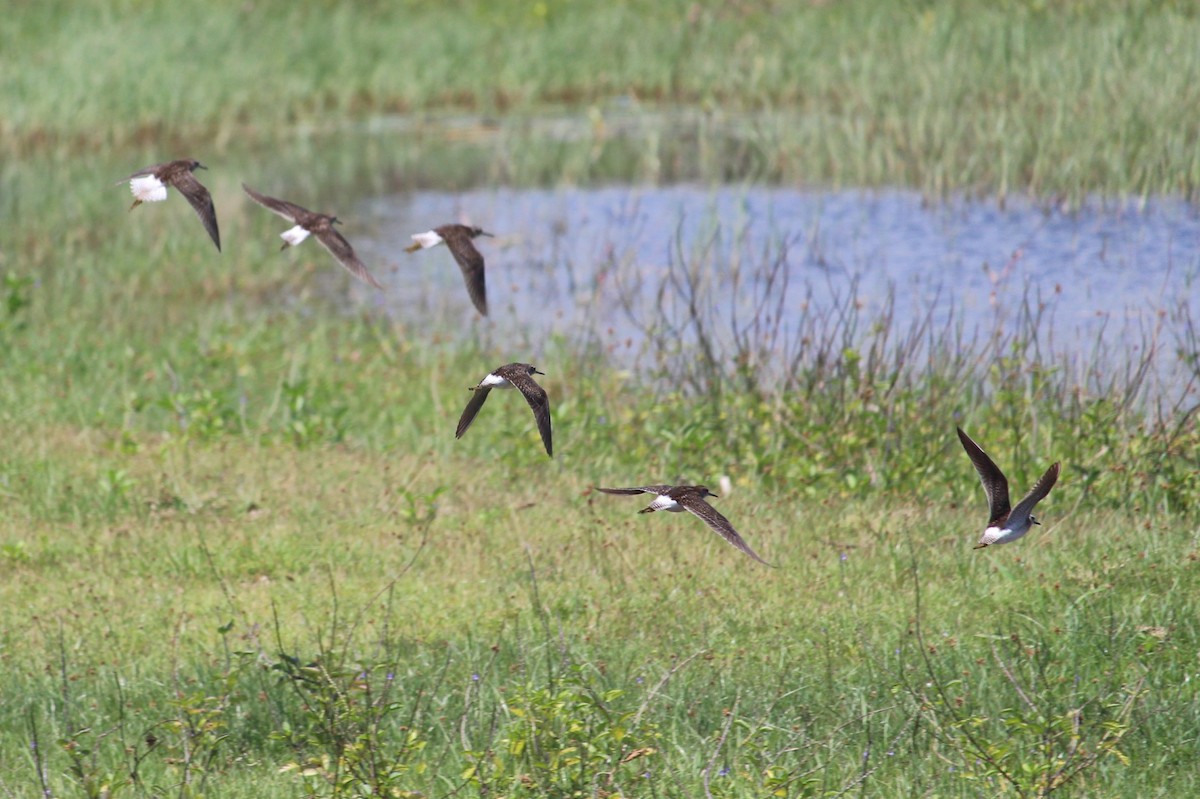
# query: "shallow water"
{"points": [[592, 261]]}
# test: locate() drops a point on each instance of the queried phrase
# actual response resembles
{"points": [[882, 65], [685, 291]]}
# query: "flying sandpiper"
{"points": [[149, 185], [520, 377], [677, 499], [1005, 525], [458, 239], [319, 225]]}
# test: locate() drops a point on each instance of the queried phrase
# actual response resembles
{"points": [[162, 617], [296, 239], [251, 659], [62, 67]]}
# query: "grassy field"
{"points": [[1058, 98], [241, 553]]}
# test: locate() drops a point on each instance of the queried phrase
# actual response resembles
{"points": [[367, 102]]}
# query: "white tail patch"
{"points": [[427, 239], [666, 503], [494, 381], [148, 189], [294, 236]]}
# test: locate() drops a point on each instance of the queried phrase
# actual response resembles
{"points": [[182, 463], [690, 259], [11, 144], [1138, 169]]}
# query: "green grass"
{"points": [[241, 553], [1057, 99]]}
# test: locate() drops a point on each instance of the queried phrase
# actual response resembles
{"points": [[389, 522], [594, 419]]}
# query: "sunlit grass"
{"points": [[519, 574]]}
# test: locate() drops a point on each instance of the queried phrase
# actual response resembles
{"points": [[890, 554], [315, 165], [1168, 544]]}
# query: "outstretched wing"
{"points": [[479, 396], [717, 523], [201, 201], [340, 248], [471, 263], [1036, 494], [289, 211], [150, 170], [641, 490], [535, 395], [995, 484]]}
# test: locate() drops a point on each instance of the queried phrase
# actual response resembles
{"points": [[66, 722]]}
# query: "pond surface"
{"points": [[601, 261]]}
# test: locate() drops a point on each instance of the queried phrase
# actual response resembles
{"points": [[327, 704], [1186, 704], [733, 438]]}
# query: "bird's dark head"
{"points": [[478, 231], [194, 165], [1033, 520], [533, 370], [333, 220], [704, 492]]}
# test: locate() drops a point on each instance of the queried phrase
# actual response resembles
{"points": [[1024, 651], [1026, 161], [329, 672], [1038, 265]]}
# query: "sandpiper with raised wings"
{"points": [[1005, 524], [677, 499], [149, 185], [458, 239], [520, 377], [319, 225]]}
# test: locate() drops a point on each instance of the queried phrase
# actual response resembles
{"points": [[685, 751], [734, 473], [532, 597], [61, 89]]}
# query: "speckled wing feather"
{"points": [[717, 523], [535, 395], [470, 261], [479, 396], [289, 211], [340, 248]]}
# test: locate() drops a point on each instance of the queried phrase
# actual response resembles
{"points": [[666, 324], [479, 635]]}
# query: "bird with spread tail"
{"points": [[149, 185], [1005, 523], [520, 377], [677, 499], [458, 239], [320, 225]]}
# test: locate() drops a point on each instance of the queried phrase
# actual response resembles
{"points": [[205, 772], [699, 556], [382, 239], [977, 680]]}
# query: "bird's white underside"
{"points": [[994, 536], [427, 239], [148, 189], [494, 381], [294, 236]]}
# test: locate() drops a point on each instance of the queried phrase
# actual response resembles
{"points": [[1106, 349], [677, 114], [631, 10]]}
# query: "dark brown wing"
{"points": [[631, 491], [535, 395], [995, 484], [201, 201], [717, 523], [340, 248], [289, 211], [1036, 494], [150, 170], [478, 397], [471, 263]]}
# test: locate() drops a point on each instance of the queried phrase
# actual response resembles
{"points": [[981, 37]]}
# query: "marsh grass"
{"points": [[1057, 99]]}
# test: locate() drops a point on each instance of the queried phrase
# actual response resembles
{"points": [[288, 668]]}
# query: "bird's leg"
{"points": [[136, 203]]}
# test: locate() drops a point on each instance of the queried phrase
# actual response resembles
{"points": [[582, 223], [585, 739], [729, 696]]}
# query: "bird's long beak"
{"points": [[1035, 521], [485, 233], [536, 372], [201, 166]]}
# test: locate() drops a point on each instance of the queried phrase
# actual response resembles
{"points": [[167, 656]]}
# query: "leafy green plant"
{"points": [[569, 738], [307, 419], [1049, 732], [354, 736]]}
